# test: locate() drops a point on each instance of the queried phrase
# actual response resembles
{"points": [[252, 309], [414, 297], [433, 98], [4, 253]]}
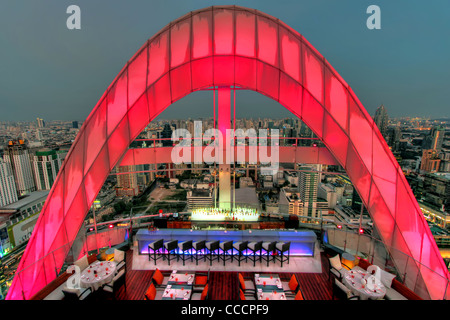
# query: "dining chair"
{"points": [[240, 246], [157, 247], [246, 296], [281, 249], [171, 248], [246, 284], [116, 282], [183, 247], [269, 248], [159, 279], [298, 296], [341, 292], [76, 294], [152, 294], [200, 296], [120, 258], [82, 263], [199, 246], [254, 247], [291, 287], [336, 269], [227, 247], [213, 250], [201, 280]]}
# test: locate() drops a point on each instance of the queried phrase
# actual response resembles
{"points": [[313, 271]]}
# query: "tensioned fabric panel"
{"points": [[233, 46]]}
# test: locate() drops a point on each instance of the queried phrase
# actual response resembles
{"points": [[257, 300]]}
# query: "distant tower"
{"points": [[46, 164], [16, 154], [308, 181], [167, 134], [8, 193], [40, 123], [127, 182], [74, 124], [437, 138], [381, 120]]}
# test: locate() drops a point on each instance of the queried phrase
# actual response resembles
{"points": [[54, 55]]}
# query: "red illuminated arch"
{"points": [[232, 46]]}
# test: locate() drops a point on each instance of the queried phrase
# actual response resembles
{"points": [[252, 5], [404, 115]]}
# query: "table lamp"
{"points": [[348, 260]]}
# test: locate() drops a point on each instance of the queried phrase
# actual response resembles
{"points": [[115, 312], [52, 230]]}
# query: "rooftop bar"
{"points": [[302, 241]]}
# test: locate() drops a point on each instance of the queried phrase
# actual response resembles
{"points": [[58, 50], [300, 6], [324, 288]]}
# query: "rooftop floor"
{"points": [[223, 285]]}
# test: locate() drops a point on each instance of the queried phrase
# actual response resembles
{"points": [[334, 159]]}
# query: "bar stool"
{"points": [[282, 248], [269, 247], [199, 246], [156, 246], [226, 247], [213, 247], [240, 246], [255, 247], [183, 247], [171, 247]]}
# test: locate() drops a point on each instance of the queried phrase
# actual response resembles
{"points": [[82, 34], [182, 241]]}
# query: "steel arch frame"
{"points": [[232, 46]]}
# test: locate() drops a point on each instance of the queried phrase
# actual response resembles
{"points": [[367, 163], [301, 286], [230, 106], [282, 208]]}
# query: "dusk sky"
{"points": [[49, 71]]}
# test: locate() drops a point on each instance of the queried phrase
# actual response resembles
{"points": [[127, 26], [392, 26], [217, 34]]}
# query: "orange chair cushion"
{"points": [[151, 292], [201, 280], [242, 282], [293, 284], [241, 294], [158, 277], [299, 296], [204, 293]]}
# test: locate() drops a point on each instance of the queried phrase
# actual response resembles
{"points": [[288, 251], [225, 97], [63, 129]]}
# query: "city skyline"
{"points": [[385, 66]]}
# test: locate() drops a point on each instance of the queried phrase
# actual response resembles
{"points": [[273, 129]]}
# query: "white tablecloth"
{"points": [[98, 274], [181, 278], [352, 280]]}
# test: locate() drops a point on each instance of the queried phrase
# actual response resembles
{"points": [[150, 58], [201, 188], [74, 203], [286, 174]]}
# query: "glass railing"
{"points": [[247, 141]]}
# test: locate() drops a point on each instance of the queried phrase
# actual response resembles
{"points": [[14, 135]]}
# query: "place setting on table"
{"points": [[97, 274], [181, 278], [177, 292], [269, 287], [179, 286], [366, 284]]}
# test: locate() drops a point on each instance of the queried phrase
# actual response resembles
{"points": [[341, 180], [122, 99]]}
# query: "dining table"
{"points": [[177, 292], [179, 286], [352, 279], [269, 287], [98, 274]]}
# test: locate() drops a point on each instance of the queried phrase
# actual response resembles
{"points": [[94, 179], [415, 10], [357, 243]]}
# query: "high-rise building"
{"points": [[395, 135], [430, 160], [167, 134], [437, 189], [8, 193], [46, 164], [308, 181], [40, 123], [16, 154], [127, 182], [437, 137], [75, 124], [290, 201], [198, 199], [327, 191], [381, 120]]}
